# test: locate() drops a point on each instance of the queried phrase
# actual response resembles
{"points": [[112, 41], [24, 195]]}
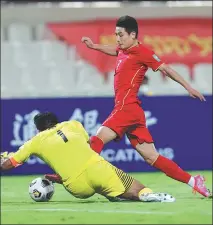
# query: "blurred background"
{"points": [[45, 67]]}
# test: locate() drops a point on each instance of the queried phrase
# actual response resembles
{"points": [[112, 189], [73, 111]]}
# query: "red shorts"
{"points": [[129, 120]]}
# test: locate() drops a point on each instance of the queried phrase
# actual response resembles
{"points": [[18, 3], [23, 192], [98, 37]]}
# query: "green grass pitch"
{"points": [[18, 208]]}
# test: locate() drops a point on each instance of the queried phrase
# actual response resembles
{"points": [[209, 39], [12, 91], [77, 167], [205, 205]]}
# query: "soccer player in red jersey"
{"points": [[127, 117]]}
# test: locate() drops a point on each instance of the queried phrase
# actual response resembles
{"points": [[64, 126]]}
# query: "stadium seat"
{"points": [[22, 53], [32, 53], [38, 81], [40, 31], [72, 55], [157, 84], [183, 70], [203, 77], [26, 62], [2, 34], [81, 64], [90, 82], [6, 52], [173, 88], [63, 79], [109, 85], [51, 50], [19, 32], [12, 81]]}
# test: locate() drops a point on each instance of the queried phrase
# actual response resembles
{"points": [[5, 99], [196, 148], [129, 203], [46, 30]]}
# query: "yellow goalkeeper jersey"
{"points": [[64, 148]]}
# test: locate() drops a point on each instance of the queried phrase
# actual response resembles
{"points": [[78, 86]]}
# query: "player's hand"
{"points": [[5, 155], [87, 41], [196, 94]]}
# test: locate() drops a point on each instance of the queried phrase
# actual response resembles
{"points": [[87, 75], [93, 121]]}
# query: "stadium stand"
{"points": [[28, 56]]}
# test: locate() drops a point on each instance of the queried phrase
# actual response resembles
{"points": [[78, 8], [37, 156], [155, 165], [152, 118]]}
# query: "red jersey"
{"points": [[131, 66]]}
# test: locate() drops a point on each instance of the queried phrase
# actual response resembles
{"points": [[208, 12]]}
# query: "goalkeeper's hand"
{"points": [[6, 155]]}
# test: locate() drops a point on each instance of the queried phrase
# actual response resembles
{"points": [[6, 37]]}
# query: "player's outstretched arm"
{"points": [[168, 71], [107, 49]]}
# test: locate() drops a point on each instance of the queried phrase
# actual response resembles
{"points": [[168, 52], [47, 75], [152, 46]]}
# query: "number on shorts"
{"points": [[62, 135]]}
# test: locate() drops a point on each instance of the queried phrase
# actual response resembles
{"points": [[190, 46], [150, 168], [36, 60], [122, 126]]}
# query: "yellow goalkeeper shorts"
{"points": [[102, 178]]}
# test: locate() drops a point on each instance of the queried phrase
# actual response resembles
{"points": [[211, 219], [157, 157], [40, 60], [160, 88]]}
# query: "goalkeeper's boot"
{"points": [[156, 197], [201, 187], [55, 178]]}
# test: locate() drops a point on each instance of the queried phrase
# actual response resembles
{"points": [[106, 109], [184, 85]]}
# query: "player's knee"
{"points": [[84, 195], [106, 134]]}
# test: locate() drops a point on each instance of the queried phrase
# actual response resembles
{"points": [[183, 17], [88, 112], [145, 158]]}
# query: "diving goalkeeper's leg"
{"points": [[138, 192]]}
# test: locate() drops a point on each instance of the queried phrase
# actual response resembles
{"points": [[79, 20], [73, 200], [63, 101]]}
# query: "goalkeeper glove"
{"points": [[5, 155]]}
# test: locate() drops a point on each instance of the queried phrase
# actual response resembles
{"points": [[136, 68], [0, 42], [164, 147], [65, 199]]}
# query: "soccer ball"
{"points": [[41, 190]]}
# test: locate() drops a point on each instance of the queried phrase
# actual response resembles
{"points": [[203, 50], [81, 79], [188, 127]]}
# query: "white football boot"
{"points": [[156, 197]]}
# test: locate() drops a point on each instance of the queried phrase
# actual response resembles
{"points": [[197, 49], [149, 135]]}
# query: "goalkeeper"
{"points": [[65, 148]]}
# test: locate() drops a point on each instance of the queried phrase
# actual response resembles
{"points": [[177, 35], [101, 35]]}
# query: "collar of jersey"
{"points": [[132, 48]]}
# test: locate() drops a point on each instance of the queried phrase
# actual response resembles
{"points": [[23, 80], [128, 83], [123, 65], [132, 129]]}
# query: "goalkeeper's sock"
{"points": [[144, 191], [171, 169], [96, 144]]}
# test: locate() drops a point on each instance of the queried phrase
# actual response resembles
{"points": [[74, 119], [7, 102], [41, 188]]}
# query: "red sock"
{"points": [[96, 144], [171, 169]]}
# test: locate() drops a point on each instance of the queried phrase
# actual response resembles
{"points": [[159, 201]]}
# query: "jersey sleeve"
{"points": [[150, 59], [24, 152]]}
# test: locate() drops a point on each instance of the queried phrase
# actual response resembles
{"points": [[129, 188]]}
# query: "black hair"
{"points": [[129, 23], [46, 120]]}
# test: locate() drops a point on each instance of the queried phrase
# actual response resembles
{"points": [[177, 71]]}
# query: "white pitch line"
{"points": [[92, 211]]}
